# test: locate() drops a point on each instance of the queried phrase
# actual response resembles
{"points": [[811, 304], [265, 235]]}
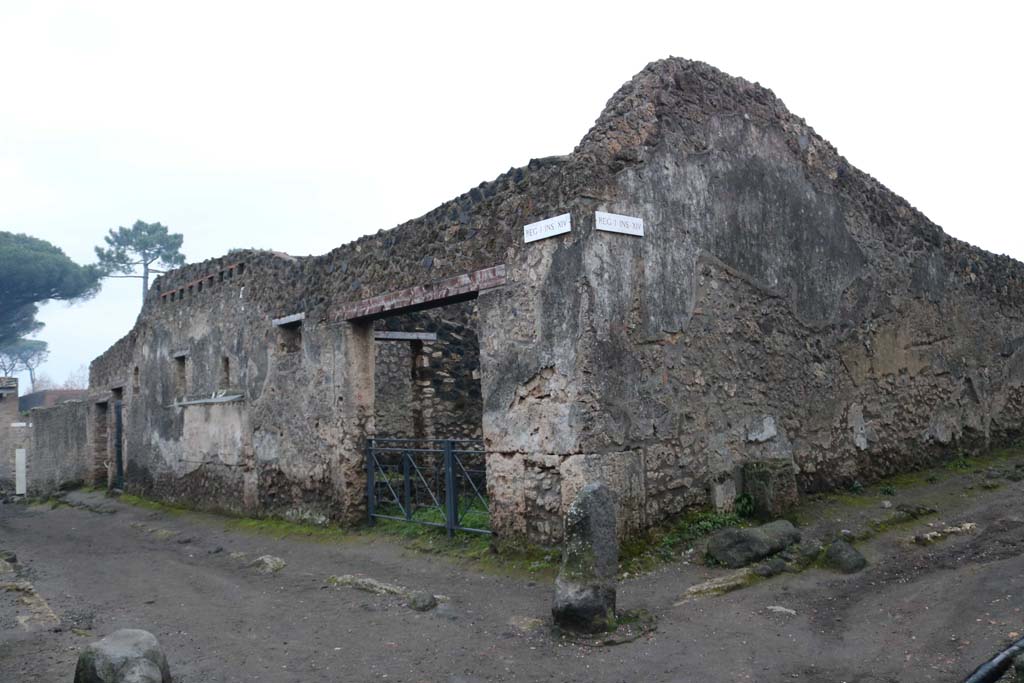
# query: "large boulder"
{"points": [[585, 587], [739, 547], [126, 656]]}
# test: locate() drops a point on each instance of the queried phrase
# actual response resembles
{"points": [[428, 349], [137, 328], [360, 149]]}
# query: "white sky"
{"points": [[299, 126]]}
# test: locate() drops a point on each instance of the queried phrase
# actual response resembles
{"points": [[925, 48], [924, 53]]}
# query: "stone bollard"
{"points": [[585, 587], [125, 656]]}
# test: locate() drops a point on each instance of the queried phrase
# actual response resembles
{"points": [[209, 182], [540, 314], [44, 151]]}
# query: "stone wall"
{"points": [[430, 388], [396, 414], [8, 414], [782, 307], [783, 312], [58, 452]]}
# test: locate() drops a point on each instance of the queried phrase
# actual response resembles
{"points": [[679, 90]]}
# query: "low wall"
{"points": [[58, 453]]}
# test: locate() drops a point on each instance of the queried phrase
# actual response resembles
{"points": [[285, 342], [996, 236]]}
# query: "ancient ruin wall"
{"points": [[8, 414], [58, 452], [782, 307]]}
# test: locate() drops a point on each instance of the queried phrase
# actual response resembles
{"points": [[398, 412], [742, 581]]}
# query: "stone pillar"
{"points": [[356, 393], [585, 587]]}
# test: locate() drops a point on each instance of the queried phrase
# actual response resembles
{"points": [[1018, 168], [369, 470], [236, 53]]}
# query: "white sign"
{"points": [[549, 227], [613, 222]]}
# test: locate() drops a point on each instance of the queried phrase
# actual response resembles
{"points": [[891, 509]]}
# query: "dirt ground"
{"points": [[916, 613]]}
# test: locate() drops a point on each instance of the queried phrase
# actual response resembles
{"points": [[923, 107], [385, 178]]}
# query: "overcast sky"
{"points": [[299, 126]]}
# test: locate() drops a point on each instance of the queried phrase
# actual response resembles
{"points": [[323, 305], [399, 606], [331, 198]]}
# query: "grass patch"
{"points": [[281, 528], [665, 543], [154, 505], [509, 558]]}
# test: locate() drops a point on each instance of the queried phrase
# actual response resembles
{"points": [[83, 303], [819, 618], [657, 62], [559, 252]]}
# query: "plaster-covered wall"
{"points": [[58, 452]]}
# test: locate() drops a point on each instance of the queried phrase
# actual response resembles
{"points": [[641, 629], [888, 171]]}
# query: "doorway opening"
{"points": [[426, 464]]}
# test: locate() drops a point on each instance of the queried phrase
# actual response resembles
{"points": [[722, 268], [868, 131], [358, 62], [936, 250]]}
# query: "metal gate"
{"points": [[434, 482]]}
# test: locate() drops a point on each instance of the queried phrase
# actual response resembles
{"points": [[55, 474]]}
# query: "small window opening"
{"points": [[222, 276], [118, 393], [172, 296], [209, 281], [181, 294], [135, 378], [289, 337], [180, 377], [199, 286], [190, 291], [225, 372], [241, 268], [231, 272]]}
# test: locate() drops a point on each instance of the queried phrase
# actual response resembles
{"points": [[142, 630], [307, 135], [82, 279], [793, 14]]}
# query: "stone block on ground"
{"points": [[268, 564], [844, 557], [739, 547], [586, 584], [771, 485], [125, 656]]}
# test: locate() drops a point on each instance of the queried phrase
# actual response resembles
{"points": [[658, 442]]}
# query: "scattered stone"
{"points": [[886, 504], [930, 537], [268, 564], [773, 567], [367, 584], [844, 557], [808, 551], [164, 534], [993, 473], [186, 539], [238, 556], [915, 511], [526, 624], [9, 556], [778, 609], [739, 547], [586, 584], [422, 602], [125, 656], [218, 549], [718, 585]]}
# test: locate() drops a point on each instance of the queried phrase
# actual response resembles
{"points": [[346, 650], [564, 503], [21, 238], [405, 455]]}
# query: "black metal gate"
{"points": [[118, 446], [434, 482]]}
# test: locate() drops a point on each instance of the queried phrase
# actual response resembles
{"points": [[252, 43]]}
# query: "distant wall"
{"points": [[49, 397], [58, 452], [8, 414]]}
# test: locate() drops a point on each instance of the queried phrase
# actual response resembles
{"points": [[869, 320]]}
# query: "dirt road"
{"points": [[915, 614]]}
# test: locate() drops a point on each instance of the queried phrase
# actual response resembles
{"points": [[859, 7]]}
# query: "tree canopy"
{"points": [[23, 354], [35, 271], [143, 245]]}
